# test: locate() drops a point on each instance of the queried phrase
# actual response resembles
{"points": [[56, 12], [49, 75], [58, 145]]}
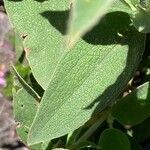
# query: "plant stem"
{"points": [[90, 131]]}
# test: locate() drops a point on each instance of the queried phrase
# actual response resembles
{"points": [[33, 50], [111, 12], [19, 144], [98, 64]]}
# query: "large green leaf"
{"points": [[85, 14], [43, 43], [100, 65], [135, 107], [113, 139]]}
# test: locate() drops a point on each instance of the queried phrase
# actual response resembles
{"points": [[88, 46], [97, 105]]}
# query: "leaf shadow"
{"points": [[114, 90], [114, 28], [135, 107], [119, 25], [99, 34], [141, 103], [57, 19], [110, 30], [40, 1]]}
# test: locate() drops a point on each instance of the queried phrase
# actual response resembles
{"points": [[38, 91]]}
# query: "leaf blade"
{"points": [[84, 74]]}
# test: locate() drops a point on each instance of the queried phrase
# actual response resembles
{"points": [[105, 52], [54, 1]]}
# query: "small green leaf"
{"points": [[135, 107], [25, 107], [113, 139], [85, 14], [141, 20]]}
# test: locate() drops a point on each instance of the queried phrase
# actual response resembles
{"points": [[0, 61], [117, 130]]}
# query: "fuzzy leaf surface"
{"points": [[25, 107], [42, 43], [88, 77]]}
